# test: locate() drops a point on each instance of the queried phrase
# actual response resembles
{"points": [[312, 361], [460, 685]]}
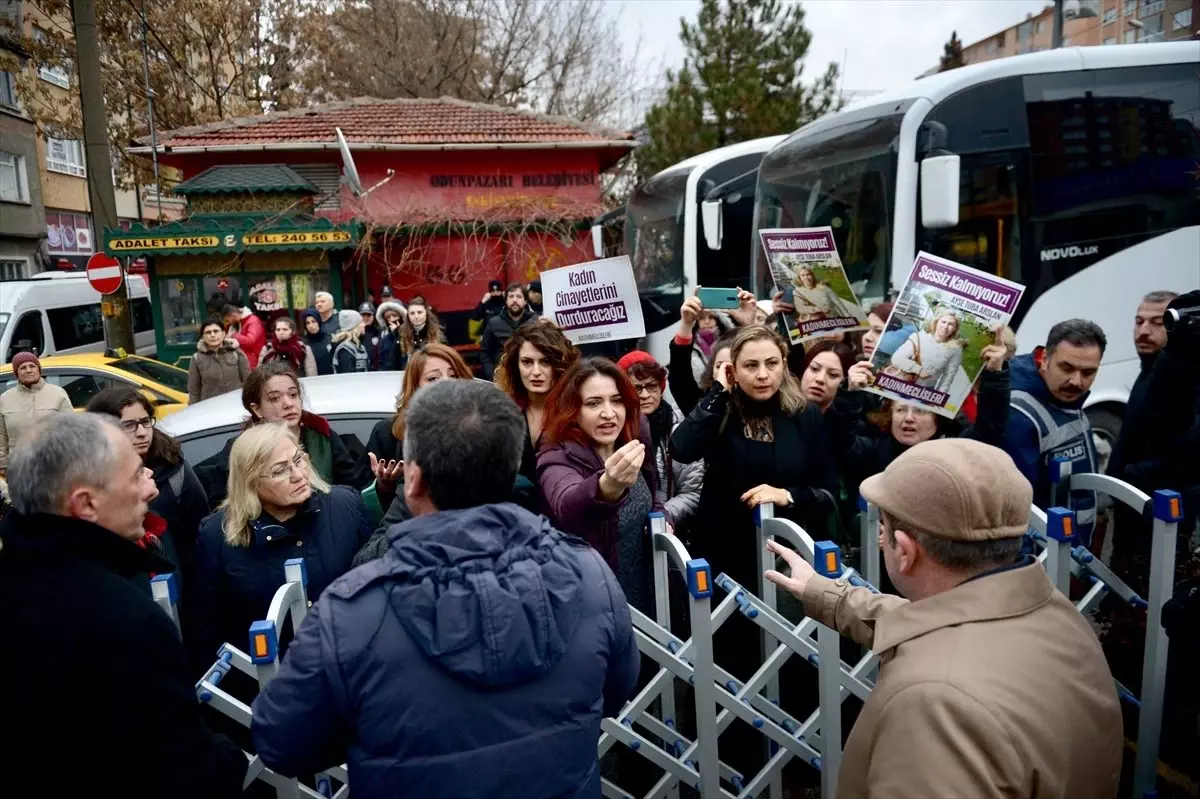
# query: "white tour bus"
{"points": [[672, 252], [1071, 171]]}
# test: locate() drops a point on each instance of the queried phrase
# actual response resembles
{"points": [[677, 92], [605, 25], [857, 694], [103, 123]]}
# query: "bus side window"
{"points": [[27, 335]]}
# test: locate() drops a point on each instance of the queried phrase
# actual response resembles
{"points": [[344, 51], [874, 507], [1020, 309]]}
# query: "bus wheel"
{"points": [[1106, 428]]}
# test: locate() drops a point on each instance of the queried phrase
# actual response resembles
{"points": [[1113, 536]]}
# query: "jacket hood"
{"points": [[492, 594], [1026, 377], [389, 305], [227, 345]]}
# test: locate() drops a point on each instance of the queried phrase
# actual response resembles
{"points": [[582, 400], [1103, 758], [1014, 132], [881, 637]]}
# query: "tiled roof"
{"points": [[247, 178], [399, 122]]}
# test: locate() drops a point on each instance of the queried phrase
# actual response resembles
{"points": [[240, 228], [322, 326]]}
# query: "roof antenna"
{"points": [[351, 171]]}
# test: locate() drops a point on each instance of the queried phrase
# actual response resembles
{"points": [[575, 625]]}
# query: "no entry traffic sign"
{"points": [[104, 273]]}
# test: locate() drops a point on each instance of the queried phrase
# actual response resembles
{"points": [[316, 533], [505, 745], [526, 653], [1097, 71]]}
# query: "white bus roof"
{"points": [[705, 160], [939, 86]]}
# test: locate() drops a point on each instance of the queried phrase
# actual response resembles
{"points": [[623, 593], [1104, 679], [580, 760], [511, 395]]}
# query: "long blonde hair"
{"points": [[251, 453], [791, 398]]}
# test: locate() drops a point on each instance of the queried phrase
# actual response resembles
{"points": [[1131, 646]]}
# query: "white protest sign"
{"points": [[594, 301]]}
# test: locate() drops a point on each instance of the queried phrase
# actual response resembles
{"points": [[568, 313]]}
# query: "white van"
{"points": [[58, 313]]}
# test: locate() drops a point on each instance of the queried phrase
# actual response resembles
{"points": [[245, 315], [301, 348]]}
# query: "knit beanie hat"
{"points": [[23, 358], [349, 320]]}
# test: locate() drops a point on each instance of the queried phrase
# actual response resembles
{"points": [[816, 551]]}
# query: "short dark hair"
{"points": [[1078, 333], [229, 308], [956, 555], [514, 287], [114, 399], [213, 321], [466, 436]]}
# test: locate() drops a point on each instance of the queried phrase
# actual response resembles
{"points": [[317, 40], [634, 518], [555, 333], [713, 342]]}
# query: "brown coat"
{"points": [[215, 373], [995, 688]]}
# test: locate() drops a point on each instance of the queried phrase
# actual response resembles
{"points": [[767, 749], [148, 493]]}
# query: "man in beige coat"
{"points": [[29, 401], [990, 684]]}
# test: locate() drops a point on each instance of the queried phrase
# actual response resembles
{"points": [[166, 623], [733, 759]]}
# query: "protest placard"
{"points": [[807, 269], [946, 314], [594, 301]]}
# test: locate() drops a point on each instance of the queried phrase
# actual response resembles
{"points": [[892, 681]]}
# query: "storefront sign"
{"points": [[549, 180], [594, 301], [301, 237], [163, 244]]}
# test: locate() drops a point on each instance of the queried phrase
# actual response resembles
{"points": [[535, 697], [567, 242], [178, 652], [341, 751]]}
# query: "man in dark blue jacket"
{"points": [[1046, 422], [478, 655]]}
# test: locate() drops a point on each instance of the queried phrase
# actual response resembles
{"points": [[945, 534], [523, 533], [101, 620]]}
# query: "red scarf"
{"points": [[291, 350]]}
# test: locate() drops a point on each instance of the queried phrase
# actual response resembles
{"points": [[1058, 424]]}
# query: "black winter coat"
{"points": [[322, 350], [98, 694], [799, 460], [183, 504], [233, 586], [496, 332]]}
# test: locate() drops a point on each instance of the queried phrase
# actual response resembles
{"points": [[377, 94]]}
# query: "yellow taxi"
{"points": [[83, 376]]}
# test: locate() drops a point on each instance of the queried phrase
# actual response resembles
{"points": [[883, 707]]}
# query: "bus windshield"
{"points": [[654, 233], [842, 178]]}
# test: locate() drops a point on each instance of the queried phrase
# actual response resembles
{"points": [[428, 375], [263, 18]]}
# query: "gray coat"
{"points": [[681, 494], [214, 373]]}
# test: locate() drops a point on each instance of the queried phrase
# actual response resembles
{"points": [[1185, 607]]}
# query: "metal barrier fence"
{"points": [[815, 740]]}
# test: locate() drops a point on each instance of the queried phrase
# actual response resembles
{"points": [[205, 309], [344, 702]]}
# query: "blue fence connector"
{"points": [[264, 642], [815, 762], [827, 559], [205, 696], [727, 584], [172, 585], [859, 582], [813, 659], [628, 723], [772, 749], [692, 680], [699, 578], [691, 764], [738, 785], [1060, 524], [861, 503], [670, 723], [789, 727], [324, 787], [758, 723], [679, 749], [775, 702], [635, 744], [673, 647], [297, 563], [1168, 506], [1082, 556], [1060, 469], [731, 686], [226, 655]]}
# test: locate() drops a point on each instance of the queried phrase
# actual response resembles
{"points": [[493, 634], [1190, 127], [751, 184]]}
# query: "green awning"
{"points": [[246, 179], [220, 235]]}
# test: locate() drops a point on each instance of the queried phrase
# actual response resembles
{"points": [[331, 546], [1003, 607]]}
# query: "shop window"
{"points": [[221, 291], [68, 234], [75, 327], [180, 308]]}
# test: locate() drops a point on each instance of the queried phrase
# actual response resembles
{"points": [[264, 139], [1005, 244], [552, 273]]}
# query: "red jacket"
{"points": [[251, 336]]}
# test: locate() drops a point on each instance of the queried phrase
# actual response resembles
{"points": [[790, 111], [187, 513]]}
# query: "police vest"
{"points": [[1063, 435], [357, 350]]}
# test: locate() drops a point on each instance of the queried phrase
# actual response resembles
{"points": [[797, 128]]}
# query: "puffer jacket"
{"points": [[22, 407], [476, 658], [215, 373]]}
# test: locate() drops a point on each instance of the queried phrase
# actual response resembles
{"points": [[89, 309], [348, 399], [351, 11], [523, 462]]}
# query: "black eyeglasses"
{"points": [[131, 425]]}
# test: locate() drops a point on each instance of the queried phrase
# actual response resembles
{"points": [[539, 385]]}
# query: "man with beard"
{"points": [[1046, 422], [500, 327]]}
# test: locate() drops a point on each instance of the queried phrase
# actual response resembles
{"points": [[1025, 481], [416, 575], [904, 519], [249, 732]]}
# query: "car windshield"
{"points": [[161, 373], [843, 179]]}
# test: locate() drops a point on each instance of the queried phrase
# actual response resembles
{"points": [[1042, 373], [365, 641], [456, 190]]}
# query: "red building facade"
{"points": [[456, 194]]}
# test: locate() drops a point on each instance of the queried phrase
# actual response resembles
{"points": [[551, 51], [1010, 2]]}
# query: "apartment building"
{"points": [[45, 209], [1091, 22]]}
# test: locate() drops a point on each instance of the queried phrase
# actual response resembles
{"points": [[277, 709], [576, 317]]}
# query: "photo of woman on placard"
{"points": [[932, 356]]}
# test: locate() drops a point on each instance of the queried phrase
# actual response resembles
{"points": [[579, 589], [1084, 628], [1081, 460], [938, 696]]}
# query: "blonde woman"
{"points": [[931, 357], [349, 354], [814, 299], [277, 508]]}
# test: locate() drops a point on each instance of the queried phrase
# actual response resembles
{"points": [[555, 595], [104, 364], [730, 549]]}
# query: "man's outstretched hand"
{"points": [[800, 568]]}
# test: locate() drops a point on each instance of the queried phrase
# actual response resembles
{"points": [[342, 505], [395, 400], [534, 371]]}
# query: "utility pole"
{"points": [[118, 320], [1057, 37]]}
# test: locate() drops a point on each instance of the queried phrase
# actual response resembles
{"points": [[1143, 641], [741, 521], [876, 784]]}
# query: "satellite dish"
{"points": [[348, 167]]}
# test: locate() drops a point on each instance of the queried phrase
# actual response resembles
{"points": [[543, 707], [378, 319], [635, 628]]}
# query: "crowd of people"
{"points": [[470, 640]]}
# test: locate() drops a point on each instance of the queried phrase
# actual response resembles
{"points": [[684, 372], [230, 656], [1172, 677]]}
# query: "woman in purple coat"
{"points": [[596, 481]]}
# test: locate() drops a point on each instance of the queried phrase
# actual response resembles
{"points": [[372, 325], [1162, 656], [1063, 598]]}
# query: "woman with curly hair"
{"points": [[534, 359]]}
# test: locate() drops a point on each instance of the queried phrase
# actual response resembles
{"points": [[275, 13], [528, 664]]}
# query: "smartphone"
{"points": [[718, 299]]}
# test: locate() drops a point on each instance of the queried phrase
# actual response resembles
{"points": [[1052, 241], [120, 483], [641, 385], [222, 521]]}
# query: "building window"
{"points": [[1150, 7], [1024, 31], [14, 181], [8, 90], [58, 75], [14, 269], [68, 234], [1110, 40], [1110, 15], [1151, 30], [1066, 41], [1181, 19], [1039, 26], [66, 156], [1129, 37], [1130, 8]]}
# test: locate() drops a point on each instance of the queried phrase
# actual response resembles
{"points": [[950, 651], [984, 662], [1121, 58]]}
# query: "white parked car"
{"points": [[352, 404]]}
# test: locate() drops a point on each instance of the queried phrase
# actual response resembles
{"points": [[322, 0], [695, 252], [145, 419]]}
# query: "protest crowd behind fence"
{"points": [[513, 591]]}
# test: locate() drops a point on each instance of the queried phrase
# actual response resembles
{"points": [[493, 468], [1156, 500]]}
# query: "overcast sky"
{"points": [[882, 43]]}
